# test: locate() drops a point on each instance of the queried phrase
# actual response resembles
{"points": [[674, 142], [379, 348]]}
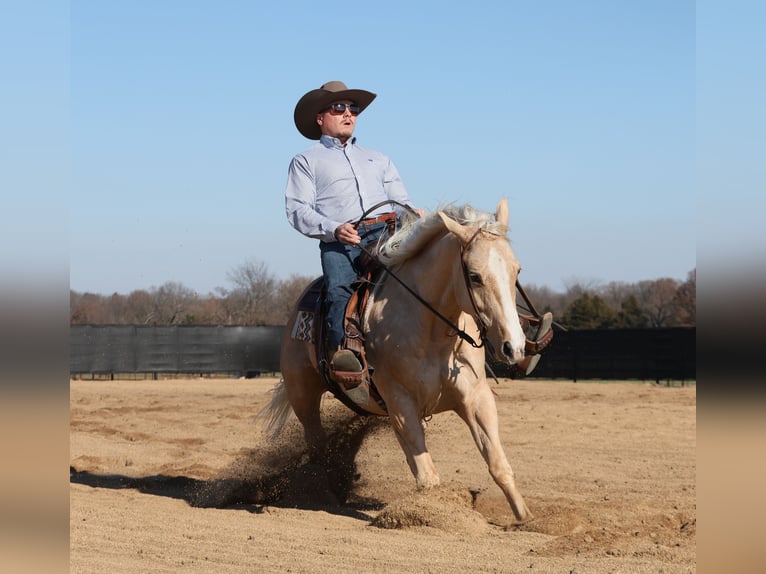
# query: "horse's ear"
{"points": [[463, 233], [501, 215]]}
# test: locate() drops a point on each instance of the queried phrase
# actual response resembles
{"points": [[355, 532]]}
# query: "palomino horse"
{"points": [[460, 261]]}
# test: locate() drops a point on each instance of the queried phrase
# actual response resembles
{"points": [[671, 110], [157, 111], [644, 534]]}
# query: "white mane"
{"points": [[416, 233]]}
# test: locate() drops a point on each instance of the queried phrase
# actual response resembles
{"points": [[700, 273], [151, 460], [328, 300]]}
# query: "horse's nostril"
{"points": [[510, 354]]}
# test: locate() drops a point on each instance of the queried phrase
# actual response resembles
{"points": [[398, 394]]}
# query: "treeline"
{"points": [[258, 298], [647, 304]]}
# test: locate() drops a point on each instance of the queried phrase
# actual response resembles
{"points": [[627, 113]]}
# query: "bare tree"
{"points": [[657, 300], [117, 307], [140, 308], [686, 301], [254, 292], [229, 307], [208, 311], [287, 296], [544, 299], [88, 308], [576, 287], [170, 303], [616, 292], [75, 314]]}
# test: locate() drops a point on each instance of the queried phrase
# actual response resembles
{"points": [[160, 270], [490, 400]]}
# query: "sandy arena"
{"points": [[176, 476]]}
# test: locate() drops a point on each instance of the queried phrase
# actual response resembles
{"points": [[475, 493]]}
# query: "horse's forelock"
{"points": [[415, 233]]}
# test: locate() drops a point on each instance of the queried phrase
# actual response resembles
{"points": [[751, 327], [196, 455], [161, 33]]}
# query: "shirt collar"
{"points": [[331, 142]]}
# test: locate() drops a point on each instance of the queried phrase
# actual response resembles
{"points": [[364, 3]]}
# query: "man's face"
{"points": [[338, 124]]}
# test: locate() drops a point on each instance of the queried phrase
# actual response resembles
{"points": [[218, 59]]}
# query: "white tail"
{"points": [[275, 414]]}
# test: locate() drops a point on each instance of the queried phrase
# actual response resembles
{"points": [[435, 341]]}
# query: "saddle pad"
{"points": [[308, 310], [303, 328]]}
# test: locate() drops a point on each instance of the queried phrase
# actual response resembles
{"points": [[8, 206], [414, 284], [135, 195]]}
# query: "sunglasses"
{"points": [[337, 109]]}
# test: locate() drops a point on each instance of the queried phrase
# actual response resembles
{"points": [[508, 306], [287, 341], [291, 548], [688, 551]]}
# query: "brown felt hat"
{"points": [[315, 101]]}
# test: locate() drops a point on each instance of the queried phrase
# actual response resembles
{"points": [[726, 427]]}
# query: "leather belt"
{"points": [[379, 219]]}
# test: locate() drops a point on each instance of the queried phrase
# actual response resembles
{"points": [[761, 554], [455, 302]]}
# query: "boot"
{"points": [[345, 360]]}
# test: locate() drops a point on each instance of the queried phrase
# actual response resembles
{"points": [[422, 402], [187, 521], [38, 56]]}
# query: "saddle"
{"points": [[354, 389]]}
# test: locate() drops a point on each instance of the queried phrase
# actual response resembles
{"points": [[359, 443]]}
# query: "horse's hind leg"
{"points": [[480, 414], [306, 406], [304, 389]]}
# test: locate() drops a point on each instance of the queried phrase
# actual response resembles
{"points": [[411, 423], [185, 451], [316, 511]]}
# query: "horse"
{"points": [[460, 261]]}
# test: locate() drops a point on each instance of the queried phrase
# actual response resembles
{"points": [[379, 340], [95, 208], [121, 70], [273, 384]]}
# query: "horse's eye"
{"points": [[475, 278]]}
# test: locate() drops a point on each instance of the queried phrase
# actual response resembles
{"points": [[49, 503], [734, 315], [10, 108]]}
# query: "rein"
{"points": [[381, 204], [458, 331]]}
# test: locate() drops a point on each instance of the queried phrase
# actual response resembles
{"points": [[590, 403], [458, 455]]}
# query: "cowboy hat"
{"points": [[315, 101]]}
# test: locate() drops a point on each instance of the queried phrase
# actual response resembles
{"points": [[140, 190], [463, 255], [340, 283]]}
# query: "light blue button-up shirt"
{"points": [[330, 184]]}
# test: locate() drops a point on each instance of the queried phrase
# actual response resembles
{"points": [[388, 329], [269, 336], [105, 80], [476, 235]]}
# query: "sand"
{"points": [[177, 476]]}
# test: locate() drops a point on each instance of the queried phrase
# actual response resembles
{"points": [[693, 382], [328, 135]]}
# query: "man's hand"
{"points": [[347, 234]]}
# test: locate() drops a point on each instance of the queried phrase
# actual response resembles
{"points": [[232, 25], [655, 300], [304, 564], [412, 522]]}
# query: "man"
{"points": [[330, 186]]}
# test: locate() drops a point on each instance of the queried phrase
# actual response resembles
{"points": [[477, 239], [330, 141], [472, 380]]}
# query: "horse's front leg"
{"points": [[480, 414], [409, 431]]}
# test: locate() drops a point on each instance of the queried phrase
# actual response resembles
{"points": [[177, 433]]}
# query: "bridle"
{"points": [[483, 328]]}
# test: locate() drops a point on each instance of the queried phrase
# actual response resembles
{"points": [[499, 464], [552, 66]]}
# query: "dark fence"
{"points": [[620, 354], [180, 349], [644, 354]]}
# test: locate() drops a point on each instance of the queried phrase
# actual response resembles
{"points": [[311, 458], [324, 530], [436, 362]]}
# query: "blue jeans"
{"points": [[340, 266]]}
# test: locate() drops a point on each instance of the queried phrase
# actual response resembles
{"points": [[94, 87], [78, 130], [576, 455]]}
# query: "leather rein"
{"points": [[458, 331]]}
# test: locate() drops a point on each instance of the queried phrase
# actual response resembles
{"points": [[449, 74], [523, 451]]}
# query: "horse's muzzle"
{"points": [[512, 355]]}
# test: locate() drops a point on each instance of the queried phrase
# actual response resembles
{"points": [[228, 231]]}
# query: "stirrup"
{"points": [[542, 336], [346, 370], [528, 364], [524, 367]]}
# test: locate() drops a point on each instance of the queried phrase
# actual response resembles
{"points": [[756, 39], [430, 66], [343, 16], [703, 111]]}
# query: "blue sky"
{"points": [[178, 129]]}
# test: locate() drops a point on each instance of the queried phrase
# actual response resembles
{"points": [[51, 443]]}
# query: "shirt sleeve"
{"points": [[300, 202]]}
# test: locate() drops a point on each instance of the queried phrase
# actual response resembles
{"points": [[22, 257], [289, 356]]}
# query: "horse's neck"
{"points": [[431, 274]]}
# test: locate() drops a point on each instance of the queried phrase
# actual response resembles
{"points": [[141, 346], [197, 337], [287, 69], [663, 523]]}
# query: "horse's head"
{"points": [[489, 272]]}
